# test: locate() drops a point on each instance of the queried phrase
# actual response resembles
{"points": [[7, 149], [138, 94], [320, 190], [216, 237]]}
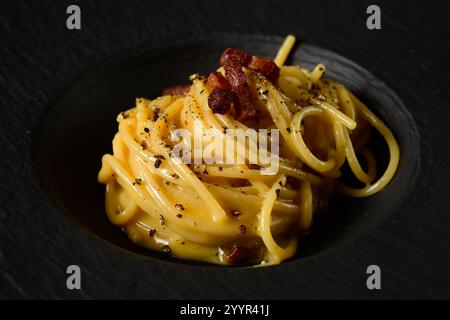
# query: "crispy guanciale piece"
{"points": [[266, 67], [245, 253], [243, 103], [233, 62], [221, 96], [179, 90], [220, 100], [244, 57], [263, 65], [217, 80]]}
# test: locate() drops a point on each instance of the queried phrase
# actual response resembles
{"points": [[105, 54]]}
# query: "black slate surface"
{"points": [[40, 58]]}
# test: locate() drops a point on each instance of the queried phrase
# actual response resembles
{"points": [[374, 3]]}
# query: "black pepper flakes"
{"points": [[162, 220], [242, 229], [179, 216], [137, 181], [166, 249], [179, 206], [277, 191], [157, 163], [151, 232], [144, 144], [288, 129], [147, 130]]}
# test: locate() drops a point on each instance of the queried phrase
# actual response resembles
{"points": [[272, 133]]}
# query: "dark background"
{"points": [[40, 57]]}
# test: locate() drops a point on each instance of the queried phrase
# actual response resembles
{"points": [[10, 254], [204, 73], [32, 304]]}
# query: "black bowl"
{"points": [[78, 128]]}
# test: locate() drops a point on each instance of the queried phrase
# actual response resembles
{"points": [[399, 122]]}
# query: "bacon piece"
{"points": [[217, 80], [266, 67], [220, 100], [245, 253], [243, 57], [179, 90], [234, 73]]}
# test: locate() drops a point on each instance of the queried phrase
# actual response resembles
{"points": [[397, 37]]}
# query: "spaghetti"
{"points": [[234, 213]]}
